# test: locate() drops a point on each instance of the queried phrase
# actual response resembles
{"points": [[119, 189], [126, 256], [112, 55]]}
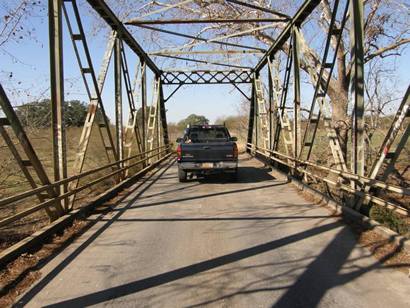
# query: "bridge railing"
{"points": [[342, 177], [159, 153]]}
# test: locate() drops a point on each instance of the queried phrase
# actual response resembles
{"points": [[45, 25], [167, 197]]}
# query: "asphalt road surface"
{"points": [[253, 243]]}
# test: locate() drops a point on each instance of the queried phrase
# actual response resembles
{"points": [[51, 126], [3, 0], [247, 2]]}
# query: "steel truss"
{"points": [[273, 127], [206, 77], [298, 146]]}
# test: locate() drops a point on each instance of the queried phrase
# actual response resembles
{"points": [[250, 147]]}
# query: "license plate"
{"points": [[207, 165]]}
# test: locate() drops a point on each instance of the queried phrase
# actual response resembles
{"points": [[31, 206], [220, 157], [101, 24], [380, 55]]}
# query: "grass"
{"points": [[322, 155], [12, 182]]}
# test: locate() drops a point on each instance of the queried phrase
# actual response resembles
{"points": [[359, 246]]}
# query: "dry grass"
{"points": [[12, 182], [322, 155], [20, 274]]}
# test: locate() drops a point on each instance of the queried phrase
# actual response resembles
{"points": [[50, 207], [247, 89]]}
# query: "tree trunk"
{"points": [[340, 116]]}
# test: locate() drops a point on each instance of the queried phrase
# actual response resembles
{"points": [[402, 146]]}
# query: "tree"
{"points": [[386, 25], [38, 114], [15, 24], [193, 119]]}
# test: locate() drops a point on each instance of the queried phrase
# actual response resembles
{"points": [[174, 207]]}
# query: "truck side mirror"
{"points": [[234, 139], [180, 140]]}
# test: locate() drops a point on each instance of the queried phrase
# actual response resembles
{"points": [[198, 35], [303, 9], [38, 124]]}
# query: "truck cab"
{"points": [[206, 149]]}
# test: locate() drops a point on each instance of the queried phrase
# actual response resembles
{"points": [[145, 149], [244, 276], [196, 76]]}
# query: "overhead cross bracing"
{"points": [[276, 132], [207, 77], [266, 19]]}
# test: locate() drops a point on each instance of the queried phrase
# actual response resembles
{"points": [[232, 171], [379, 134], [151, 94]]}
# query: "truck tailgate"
{"points": [[207, 152]]}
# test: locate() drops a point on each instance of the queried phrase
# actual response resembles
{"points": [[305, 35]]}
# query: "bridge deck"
{"points": [[254, 243]]}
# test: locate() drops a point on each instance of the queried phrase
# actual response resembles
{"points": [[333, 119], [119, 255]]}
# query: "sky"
{"points": [[25, 77], [24, 73]]}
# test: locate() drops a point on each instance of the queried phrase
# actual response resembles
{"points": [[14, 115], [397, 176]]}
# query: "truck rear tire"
{"points": [[182, 175]]}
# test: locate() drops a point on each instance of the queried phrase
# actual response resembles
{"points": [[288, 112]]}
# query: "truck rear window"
{"points": [[211, 134]]}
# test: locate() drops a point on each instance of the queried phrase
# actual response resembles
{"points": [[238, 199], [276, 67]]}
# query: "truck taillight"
{"points": [[179, 151], [235, 151]]}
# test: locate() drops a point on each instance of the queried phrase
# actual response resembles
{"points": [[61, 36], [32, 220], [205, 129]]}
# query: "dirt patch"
{"points": [[20, 274], [386, 251], [23, 272]]}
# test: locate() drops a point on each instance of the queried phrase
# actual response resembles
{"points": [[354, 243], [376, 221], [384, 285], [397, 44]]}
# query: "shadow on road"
{"points": [[143, 284], [246, 174], [202, 196], [148, 180], [322, 274]]}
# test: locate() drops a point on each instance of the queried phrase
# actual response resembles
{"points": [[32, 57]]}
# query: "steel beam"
{"points": [[131, 128], [223, 37], [357, 86], [256, 114], [304, 11], [108, 15], [163, 114], [56, 210], [386, 156], [168, 7], [270, 110], [203, 52], [296, 88], [321, 80], [259, 8], [93, 86], [197, 38], [143, 105], [57, 93], [172, 93], [240, 91], [206, 77], [251, 118], [204, 21], [205, 62], [118, 100], [152, 115]]}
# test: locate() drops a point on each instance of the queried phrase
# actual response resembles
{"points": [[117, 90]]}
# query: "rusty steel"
{"points": [[274, 126]]}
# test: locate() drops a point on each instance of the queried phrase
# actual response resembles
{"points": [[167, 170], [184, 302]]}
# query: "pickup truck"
{"points": [[207, 149]]}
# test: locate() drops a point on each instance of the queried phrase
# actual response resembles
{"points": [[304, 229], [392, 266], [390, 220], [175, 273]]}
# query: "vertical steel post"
{"points": [[118, 99], [57, 93], [143, 104], [256, 121], [163, 114], [270, 93], [251, 118], [158, 122], [296, 89], [357, 86]]}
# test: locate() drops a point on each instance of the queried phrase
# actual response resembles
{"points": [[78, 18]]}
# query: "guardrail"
{"points": [[157, 152], [299, 166]]}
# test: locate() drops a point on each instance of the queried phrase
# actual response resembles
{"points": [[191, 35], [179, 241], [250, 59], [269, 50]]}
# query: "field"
{"points": [[12, 182], [400, 176]]}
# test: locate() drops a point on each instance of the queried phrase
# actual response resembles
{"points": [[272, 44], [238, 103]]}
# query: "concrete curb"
{"points": [[350, 214]]}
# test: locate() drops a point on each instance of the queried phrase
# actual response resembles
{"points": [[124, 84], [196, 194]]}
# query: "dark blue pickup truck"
{"points": [[207, 149]]}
